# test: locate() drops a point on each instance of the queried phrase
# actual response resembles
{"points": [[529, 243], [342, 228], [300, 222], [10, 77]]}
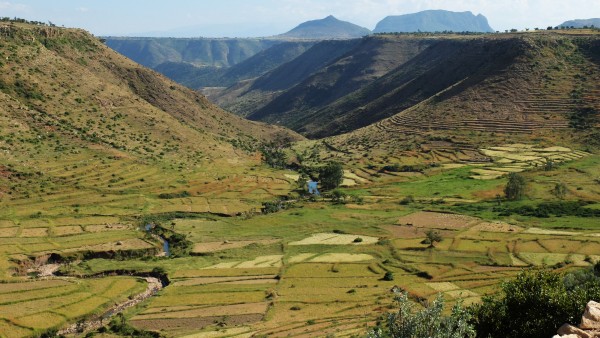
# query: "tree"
{"points": [[559, 190], [427, 323], [331, 175], [535, 304], [432, 237], [515, 187], [274, 155]]}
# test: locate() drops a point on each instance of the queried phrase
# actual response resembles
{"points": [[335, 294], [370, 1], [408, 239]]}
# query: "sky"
{"points": [[247, 18]]}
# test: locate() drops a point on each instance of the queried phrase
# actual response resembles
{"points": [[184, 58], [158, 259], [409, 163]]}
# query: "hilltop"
{"points": [[434, 21], [327, 28], [581, 23]]}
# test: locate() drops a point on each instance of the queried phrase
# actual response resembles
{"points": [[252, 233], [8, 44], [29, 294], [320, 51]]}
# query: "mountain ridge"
{"points": [[434, 21]]}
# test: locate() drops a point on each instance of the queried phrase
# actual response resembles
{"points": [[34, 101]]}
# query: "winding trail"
{"points": [[154, 285]]}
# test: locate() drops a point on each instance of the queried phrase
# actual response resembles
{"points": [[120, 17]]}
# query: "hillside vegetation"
{"points": [[521, 83], [123, 192]]}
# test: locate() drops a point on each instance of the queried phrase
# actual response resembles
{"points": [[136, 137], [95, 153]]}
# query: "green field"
{"points": [[298, 271]]}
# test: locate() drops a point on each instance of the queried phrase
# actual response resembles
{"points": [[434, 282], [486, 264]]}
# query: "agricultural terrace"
{"points": [[316, 267]]}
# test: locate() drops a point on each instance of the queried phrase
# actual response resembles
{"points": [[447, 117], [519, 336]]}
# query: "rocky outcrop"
{"points": [[589, 327]]}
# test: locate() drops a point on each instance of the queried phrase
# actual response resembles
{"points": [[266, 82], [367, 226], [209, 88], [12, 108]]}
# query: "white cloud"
{"points": [[83, 9]]}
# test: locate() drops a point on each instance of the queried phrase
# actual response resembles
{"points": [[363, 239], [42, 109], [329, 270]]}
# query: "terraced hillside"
{"points": [[86, 133], [554, 96], [323, 80], [507, 83]]}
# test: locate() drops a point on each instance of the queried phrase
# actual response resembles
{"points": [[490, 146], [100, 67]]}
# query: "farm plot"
{"points": [[336, 239], [271, 261], [39, 305], [226, 245], [519, 157], [192, 304], [425, 219]]}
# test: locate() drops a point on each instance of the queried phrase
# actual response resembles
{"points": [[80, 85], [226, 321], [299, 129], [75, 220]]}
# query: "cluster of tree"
{"points": [[19, 20], [547, 209], [535, 304], [174, 195]]}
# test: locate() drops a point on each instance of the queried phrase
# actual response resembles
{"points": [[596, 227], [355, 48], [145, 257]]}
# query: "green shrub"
{"points": [[535, 304], [331, 175], [389, 276], [515, 188], [426, 323]]}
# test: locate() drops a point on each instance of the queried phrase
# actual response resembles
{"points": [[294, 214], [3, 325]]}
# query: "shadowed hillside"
{"points": [[512, 83], [531, 87]]}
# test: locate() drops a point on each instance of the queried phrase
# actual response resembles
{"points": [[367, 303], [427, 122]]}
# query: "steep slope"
{"points": [[197, 77], [327, 28], [517, 89], [248, 96], [151, 52], [66, 98], [580, 23], [434, 21], [372, 58]]}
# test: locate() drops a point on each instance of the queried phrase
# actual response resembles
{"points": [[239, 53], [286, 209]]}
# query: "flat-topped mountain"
{"points": [[434, 21], [327, 28]]}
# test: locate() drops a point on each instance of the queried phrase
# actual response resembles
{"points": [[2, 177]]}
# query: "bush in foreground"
{"points": [[426, 323], [535, 304]]}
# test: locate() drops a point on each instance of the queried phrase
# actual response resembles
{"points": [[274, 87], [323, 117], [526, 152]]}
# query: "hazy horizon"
{"points": [[238, 18]]}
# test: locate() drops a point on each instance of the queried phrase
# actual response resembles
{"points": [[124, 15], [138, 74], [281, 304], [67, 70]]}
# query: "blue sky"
{"points": [[242, 18]]}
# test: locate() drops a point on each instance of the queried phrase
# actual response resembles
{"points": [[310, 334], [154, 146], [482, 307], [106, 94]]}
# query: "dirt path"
{"points": [[154, 285]]}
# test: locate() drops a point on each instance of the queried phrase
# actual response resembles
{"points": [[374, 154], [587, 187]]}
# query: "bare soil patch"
{"points": [[438, 220], [496, 227], [67, 230], [8, 232], [34, 232]]}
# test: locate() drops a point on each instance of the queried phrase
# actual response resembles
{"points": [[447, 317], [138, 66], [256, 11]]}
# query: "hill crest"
{"points": [[327, 28]]}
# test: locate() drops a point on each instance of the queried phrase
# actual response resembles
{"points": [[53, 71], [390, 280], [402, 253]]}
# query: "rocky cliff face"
{"points": [[589, 327]]}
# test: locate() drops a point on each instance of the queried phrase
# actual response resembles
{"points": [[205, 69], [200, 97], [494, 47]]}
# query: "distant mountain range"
{"points": [[580, 23], [434, 21], [327, 28]]}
